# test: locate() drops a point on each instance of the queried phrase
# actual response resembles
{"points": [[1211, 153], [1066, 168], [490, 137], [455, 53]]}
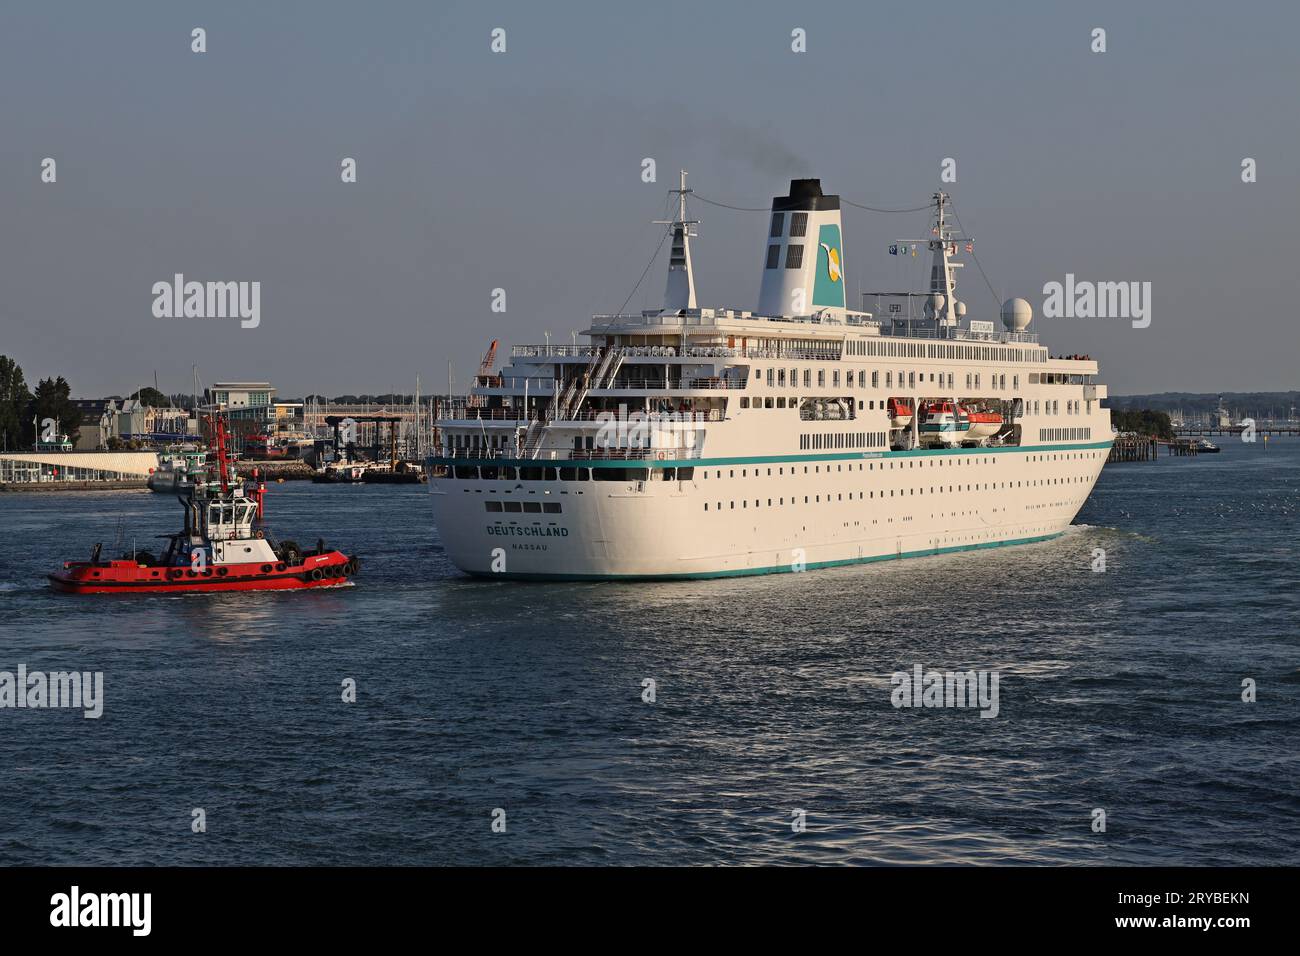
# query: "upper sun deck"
{"points": [[828, 325]]}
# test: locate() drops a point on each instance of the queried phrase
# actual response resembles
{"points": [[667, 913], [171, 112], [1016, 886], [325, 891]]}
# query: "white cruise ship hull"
{"points": [[765, 516]]}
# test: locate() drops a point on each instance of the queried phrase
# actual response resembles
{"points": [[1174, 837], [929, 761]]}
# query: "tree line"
{"points": [[1145, 421], [19, 406]]}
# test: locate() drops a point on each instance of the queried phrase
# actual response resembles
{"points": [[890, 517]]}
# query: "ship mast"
{"points": [[680, 291], [942, 281]]}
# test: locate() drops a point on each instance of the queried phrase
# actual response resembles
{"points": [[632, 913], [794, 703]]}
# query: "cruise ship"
{"points": [[688, 442]]}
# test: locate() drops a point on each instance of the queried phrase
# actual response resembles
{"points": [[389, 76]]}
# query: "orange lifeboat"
{"points": [[900, 413]]}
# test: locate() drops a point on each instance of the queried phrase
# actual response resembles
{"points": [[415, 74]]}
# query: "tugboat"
{"points": [[218, 549]]}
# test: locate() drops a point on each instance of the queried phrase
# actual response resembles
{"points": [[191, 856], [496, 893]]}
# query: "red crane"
{"points": [[484, 376]]}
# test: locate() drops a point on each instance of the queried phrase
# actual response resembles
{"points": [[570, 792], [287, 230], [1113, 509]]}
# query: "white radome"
{"points": [[1017, 314]]}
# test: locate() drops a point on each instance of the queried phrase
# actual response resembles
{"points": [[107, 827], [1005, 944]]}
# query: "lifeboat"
{"points": [[219, 548], [943, 423], [983, 424], [900, 413]]}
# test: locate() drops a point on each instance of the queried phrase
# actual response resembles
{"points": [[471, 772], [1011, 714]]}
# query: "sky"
{"points": [[522, 171]]}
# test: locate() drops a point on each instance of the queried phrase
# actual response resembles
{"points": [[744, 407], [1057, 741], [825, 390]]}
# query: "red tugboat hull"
{"points": [[330, 570]]}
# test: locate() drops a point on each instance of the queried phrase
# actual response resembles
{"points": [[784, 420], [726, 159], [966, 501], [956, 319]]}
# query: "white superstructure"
{"points": [[689, 442]]}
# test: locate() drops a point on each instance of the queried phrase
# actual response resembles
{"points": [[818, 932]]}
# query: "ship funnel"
{"points": [[803, 272]]}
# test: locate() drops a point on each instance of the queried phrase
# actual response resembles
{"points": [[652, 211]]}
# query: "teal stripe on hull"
{"points": [[774, 569], [766, 459]]}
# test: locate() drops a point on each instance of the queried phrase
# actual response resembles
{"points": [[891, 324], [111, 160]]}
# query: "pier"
{"points": [[1207, 430], [1142, 448], [1147, 448]]}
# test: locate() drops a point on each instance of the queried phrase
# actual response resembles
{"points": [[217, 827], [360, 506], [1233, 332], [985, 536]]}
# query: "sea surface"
{"points": [[1119, 691]]}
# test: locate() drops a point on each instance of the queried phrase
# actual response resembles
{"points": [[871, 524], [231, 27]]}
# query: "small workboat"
{"points": [[178, 470], [222, 547]]}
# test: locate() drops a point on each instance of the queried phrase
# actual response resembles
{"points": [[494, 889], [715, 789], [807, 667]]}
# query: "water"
{"points": [[1119, 690]]}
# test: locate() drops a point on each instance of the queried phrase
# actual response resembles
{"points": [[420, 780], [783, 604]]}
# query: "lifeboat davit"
{"points": [[218, 549], [900, 413]]}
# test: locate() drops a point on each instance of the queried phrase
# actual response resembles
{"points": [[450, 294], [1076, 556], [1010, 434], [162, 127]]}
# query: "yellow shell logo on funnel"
{"points": [[832, 262]]}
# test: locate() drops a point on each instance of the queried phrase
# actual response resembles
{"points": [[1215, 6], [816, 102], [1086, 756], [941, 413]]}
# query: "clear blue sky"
{"points": [[522, 171]]}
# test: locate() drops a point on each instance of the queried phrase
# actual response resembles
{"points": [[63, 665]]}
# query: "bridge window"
{"points": [[778, 225], [793, 256], [773, 256]]}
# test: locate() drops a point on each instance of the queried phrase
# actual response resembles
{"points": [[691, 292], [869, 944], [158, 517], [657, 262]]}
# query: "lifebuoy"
{"points": [[261, 534], [660, 456], [266, 569]]}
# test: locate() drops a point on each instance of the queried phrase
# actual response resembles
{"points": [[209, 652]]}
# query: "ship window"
{"points": [[494, 506], [530, 474], [548, 474], [507, 472], [744, 402], [532, 507], [488, 472], [621, 474], [799, 224], [773, 256], [778, 224], [513, 506], [793, 256], [568, 474], [466, 471], [687, 474], [551, 507]]}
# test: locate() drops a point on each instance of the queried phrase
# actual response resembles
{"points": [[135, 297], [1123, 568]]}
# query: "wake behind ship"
{"points": [[688, 442]]}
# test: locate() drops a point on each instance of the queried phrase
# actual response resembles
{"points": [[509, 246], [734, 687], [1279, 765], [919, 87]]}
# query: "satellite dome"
{"points": [[1016, 315], [961, 309], [934, 303]]}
